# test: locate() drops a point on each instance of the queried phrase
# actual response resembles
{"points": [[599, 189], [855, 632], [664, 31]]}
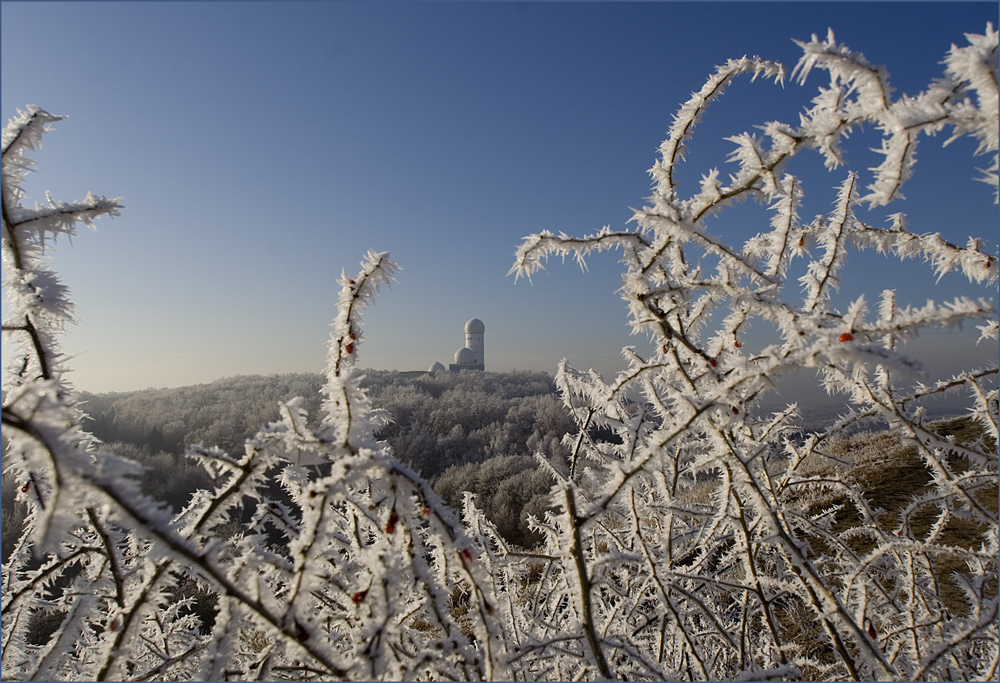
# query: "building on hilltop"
{"points": [[472, 356]]}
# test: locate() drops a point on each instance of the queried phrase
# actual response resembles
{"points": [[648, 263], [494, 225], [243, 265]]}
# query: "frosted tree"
{"points": [[710, 543]]}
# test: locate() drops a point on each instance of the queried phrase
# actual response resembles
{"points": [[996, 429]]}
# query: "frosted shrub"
{"points": [[689, 550], [350, 573], [703, 541]]}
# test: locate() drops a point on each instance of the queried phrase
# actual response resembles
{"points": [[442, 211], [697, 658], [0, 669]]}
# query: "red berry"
{"points": [[24, 489], [359, 597], [736, 411], [391, 526], [349, 348], [846, 337], [737, 343], [714, 363]]}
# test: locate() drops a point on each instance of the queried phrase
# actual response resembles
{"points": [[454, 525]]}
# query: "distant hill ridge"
{"points": [[228, 411]]}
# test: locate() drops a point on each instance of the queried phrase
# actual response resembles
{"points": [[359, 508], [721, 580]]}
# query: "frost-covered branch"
{"points": [[347, 565], [713, 515]]}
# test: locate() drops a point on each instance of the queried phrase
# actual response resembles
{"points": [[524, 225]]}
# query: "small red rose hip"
{"points": [[846, 337], [391, 526]]}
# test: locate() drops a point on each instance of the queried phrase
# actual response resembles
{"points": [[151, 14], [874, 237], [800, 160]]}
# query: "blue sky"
{"points": [[261, 148]]}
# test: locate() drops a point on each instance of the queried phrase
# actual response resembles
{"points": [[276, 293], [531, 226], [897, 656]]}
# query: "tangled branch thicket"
{"points": [[707, 540]]}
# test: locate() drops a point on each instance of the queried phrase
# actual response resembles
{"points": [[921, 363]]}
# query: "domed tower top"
{"points": [[475, 326]]}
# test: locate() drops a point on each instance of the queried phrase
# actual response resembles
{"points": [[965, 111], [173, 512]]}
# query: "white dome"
{"points": [[475, 326], [437, 367], [465, 356]]}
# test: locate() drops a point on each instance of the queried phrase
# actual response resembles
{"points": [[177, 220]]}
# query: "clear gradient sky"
{"points": [[260, 148]]}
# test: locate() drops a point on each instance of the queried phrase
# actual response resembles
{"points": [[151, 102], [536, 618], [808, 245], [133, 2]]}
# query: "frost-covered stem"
{"points": [[39, 349], [749, 185], [125, 631], [457, 538], [581, 437], [922, 437], [672, 149], [831, 262], [640, 467], [535, 248], [221, 497], [182, 551], [577, 550], [109, 549], [36, 119], [669, 332], [664, 593], [356, 293], [821, 597], [52, 448], [750, 563], [986, 621], [12, 599], [168, 662]]}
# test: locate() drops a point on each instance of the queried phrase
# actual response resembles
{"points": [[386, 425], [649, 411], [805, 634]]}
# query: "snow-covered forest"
{"points": [[470, 431], [682, 533]]}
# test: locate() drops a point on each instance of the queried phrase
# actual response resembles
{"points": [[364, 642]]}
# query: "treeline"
{"points": [[223, 413], [466, 432]]}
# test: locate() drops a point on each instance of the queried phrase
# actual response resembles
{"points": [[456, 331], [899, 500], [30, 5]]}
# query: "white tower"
{"points": [[474, 330], [471, 356]]}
